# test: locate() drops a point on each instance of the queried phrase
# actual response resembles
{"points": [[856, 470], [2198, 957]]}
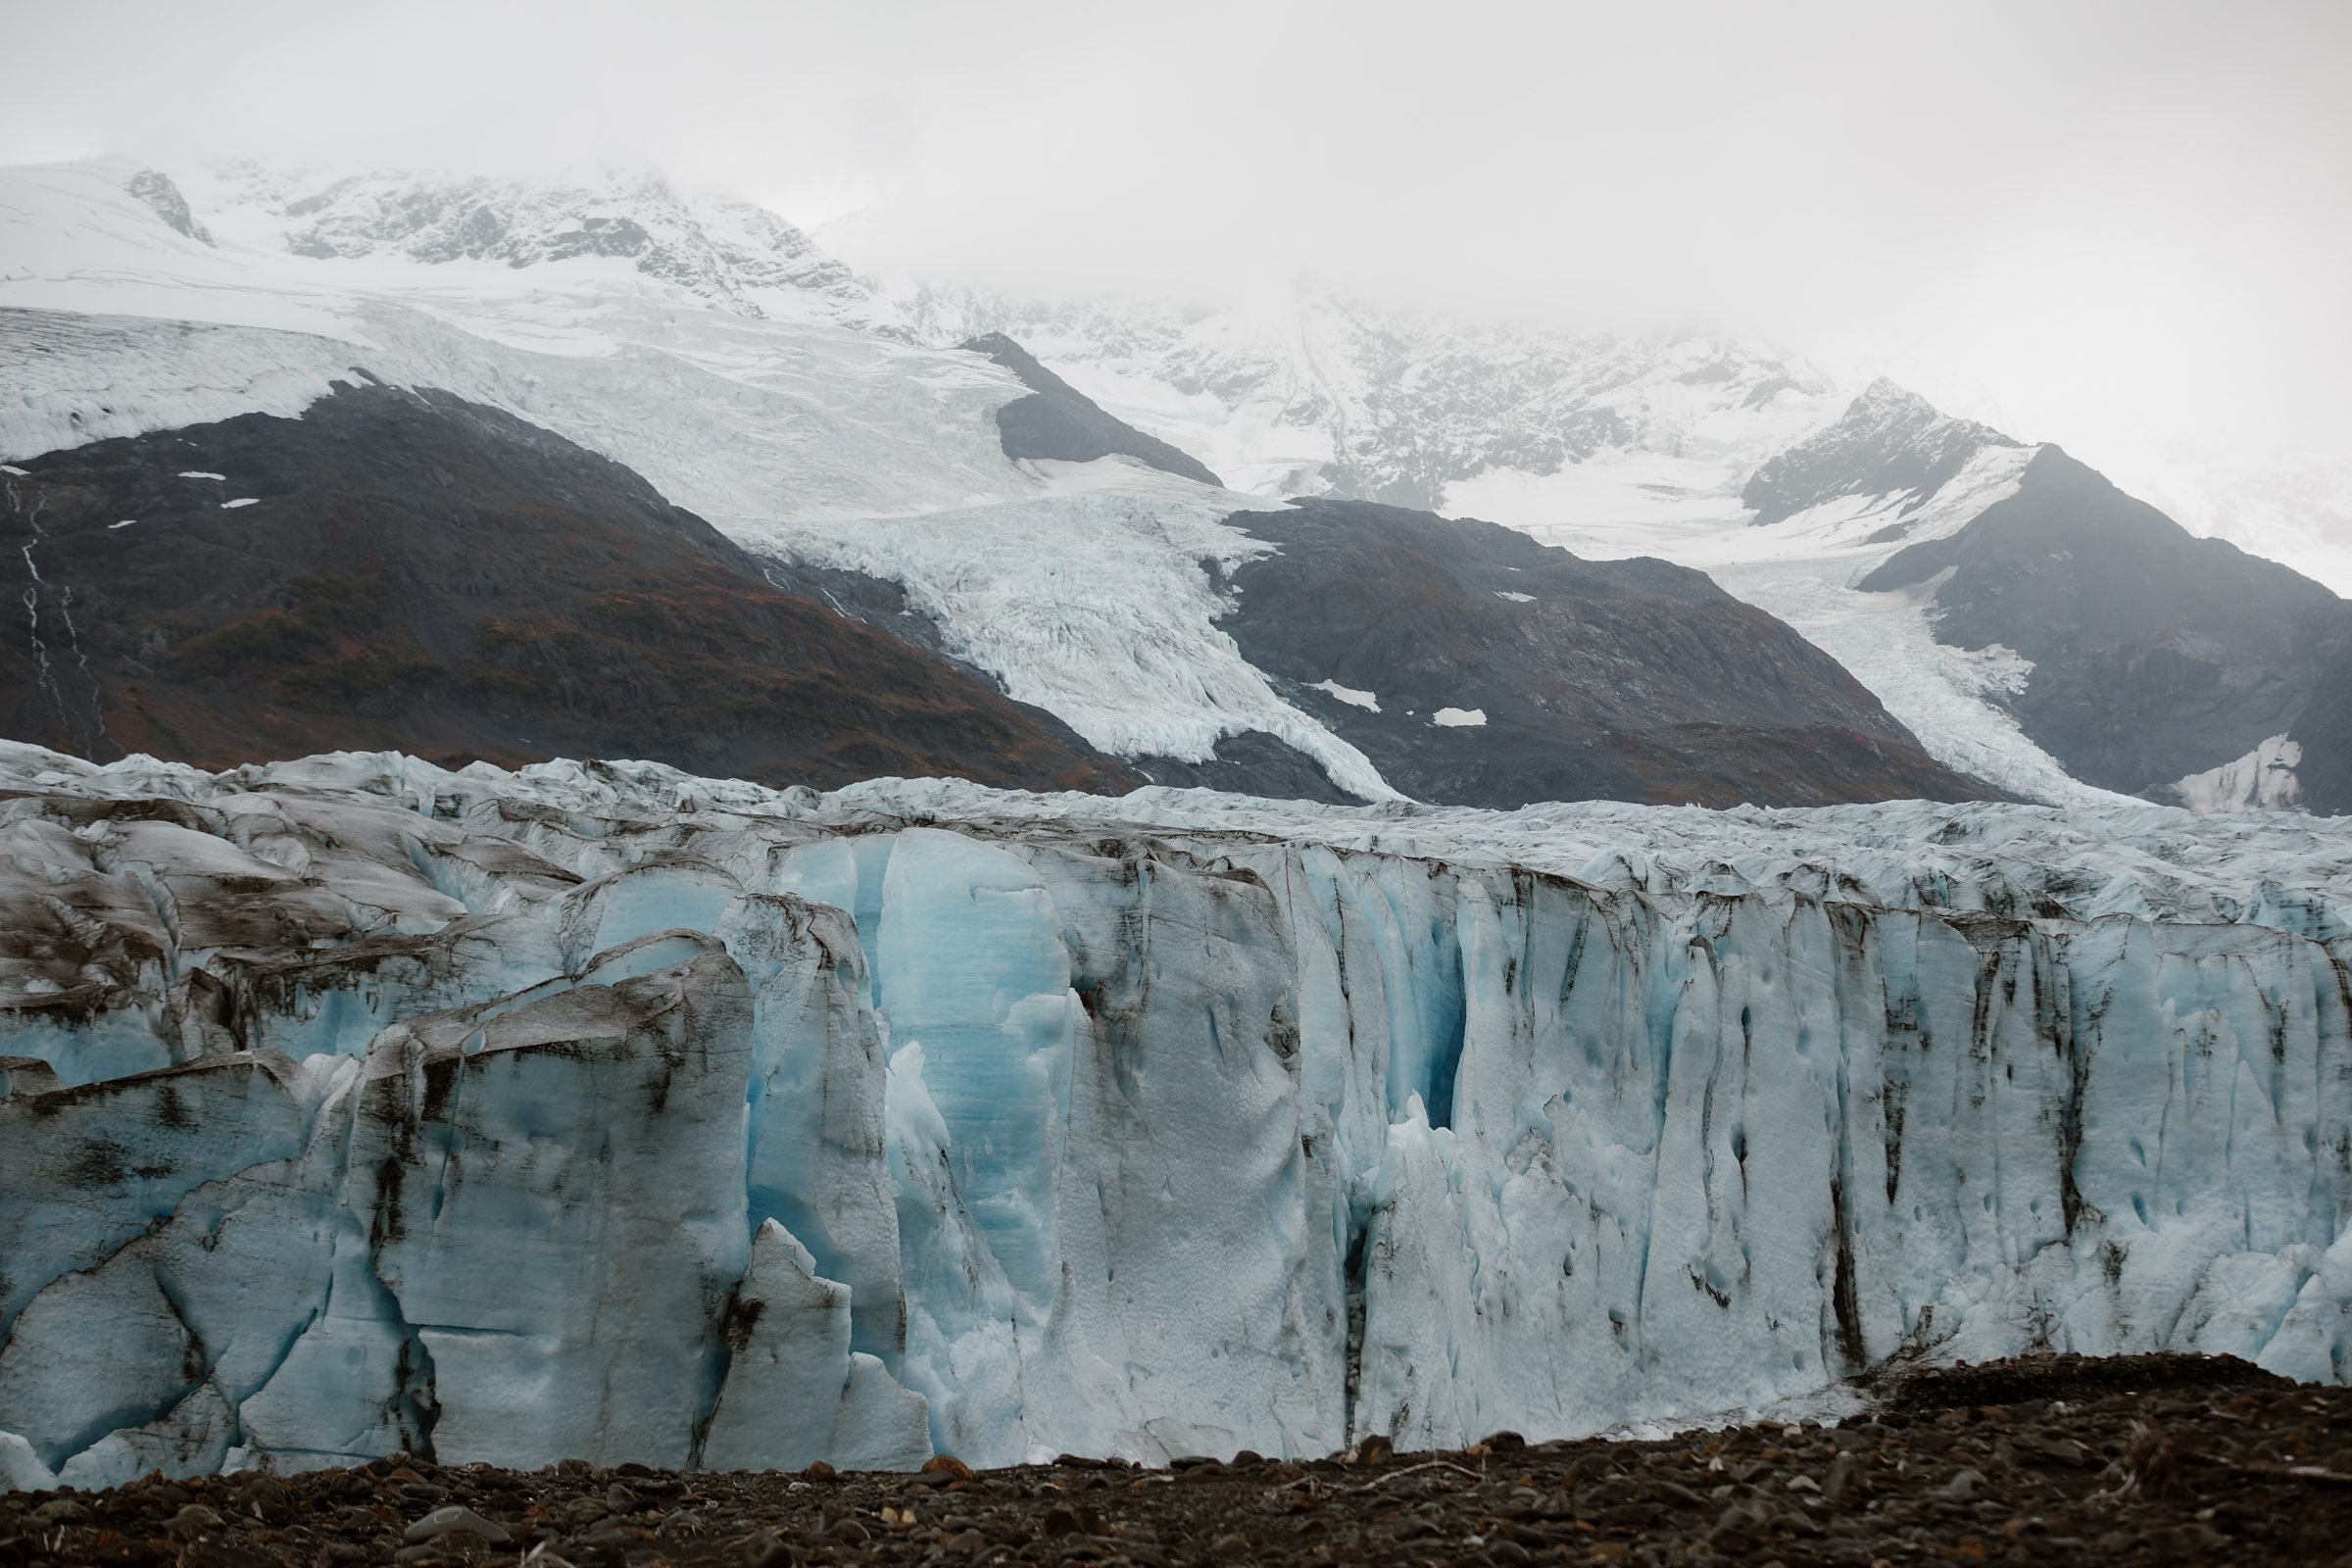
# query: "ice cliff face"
{"points": [[354, 1104]]}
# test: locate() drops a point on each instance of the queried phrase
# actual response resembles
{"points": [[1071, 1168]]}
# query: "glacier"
{"points": [[354, 1105]]}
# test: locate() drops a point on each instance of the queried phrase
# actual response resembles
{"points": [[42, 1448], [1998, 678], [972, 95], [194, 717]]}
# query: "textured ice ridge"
{"points": [[355, 1106]]}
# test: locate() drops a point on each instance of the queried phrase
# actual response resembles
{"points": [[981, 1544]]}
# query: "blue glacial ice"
{"points": [[353, 1106]]}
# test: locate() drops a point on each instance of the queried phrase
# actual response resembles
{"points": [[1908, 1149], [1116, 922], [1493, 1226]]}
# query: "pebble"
{"points": [[192, 1521], [1965, 1486]]}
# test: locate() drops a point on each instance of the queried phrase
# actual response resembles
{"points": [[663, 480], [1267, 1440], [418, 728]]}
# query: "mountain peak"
{"points": [[735, 254], [1888, 442], [1886, 392]]}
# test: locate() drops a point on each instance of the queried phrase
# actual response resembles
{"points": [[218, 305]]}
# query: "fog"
{"points": [[2119, 226]]}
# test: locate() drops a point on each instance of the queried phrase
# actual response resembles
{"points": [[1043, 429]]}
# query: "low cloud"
{"points": [[2120, 226]]}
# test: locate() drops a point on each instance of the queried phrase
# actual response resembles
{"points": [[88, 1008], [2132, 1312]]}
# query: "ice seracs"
{"points": [[643, 1117], [2262, 780], [794, 1392]]}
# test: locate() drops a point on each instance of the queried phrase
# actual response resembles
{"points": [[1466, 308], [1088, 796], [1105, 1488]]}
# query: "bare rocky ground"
{"points": [[2153, 1459]]}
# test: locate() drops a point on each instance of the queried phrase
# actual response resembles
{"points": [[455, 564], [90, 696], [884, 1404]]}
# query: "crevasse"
{"points": [[355, 1106]]}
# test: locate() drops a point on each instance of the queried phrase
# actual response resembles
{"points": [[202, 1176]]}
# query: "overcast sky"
{"points": [[2113, 224]]}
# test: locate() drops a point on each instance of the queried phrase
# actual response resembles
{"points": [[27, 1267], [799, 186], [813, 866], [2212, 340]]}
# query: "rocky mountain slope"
{"points": [[1475, 666], [1619, 447], [1058, 423], [402, 569], [1888, 443], [2022, 616], [2154, 655]]}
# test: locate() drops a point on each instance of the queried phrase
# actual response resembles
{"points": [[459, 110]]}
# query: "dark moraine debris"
{"points": [[1058, 421]]}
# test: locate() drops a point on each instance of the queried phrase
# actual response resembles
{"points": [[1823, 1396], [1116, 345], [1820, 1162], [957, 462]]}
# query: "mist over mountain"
{"points": [[2111, 224]]}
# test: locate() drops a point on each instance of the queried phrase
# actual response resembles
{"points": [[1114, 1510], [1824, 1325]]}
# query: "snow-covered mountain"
{"points": [[399, 567], [735, 254], [1094, 580], [1311, 393], [831, 424], [1791, 489]]}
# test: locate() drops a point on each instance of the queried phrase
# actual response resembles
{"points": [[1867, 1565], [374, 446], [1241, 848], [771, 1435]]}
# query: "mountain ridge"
{"points": [[816, 435], [405, 570]]}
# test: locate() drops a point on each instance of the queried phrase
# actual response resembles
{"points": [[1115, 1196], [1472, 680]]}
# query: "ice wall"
{"points": [[355, 1106]]}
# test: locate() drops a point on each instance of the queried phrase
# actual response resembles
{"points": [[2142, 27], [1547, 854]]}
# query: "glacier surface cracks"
{"points": [[353, 1105]]}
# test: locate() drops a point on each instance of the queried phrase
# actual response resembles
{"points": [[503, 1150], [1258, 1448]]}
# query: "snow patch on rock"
{"points": [[1368, 701]]}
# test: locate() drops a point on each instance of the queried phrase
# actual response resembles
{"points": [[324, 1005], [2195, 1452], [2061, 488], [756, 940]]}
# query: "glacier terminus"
{"points": [[355, 1106]]}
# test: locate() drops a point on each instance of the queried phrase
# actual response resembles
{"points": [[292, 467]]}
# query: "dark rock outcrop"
{"points": [[1253, 763], [155, 187], [2323, 732], [2156, 653], [1058, 421], [401, 570], [1566, 679]]}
